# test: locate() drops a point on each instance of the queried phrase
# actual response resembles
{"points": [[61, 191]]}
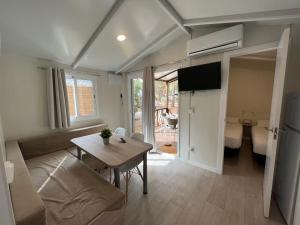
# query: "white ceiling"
{"points": [[191, 9], [142, 21], [51, 29], [58, 29]]}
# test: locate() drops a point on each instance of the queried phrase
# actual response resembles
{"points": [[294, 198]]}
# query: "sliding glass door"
{"points": [[137, 97], [135, 86]]}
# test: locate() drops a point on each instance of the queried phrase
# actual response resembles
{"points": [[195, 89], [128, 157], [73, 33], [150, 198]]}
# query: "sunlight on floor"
{"points": [[160, 159]]}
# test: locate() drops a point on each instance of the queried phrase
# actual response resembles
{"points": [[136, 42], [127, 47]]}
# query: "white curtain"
{"points": [[58, 105], [148, 105]]}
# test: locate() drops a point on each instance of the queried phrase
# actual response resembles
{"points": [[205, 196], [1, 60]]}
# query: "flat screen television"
{"points": [[203, 77]]}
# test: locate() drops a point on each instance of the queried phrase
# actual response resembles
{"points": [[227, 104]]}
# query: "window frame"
{"points": [[93, 79]]}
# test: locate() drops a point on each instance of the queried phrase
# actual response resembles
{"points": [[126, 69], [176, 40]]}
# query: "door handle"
{"points": [[274, 131], [283, 130]]}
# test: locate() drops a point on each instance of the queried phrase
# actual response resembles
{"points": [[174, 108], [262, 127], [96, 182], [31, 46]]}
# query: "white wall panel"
{"points": [[23, 102], [204, 127]]}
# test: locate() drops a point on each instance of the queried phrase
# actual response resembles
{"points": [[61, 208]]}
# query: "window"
{"points": [[82, 97], [160, 94]]}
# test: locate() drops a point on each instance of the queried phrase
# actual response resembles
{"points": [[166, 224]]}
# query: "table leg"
{"points": [[79, 153], [145, 181], [117, 177]]}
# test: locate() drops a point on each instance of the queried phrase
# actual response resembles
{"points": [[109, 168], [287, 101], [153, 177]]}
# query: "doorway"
{"points": [[137, 93], [249, 103], [166, 111], [135, 84], [275, 113], [249, 100]]}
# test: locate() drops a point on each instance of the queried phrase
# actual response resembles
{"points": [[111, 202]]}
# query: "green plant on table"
{"points": [[106, 133]]}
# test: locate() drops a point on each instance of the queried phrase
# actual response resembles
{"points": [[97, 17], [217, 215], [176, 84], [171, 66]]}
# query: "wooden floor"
{"points": [[181, 194]]}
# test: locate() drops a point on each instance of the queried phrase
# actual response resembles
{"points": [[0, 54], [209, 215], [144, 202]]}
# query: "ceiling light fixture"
{"points": [[121, 37]]}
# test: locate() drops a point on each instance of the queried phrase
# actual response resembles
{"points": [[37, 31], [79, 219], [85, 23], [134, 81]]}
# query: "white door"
{"points": [[279, 78]]}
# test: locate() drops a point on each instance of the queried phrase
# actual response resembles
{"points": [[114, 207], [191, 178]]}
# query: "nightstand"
{"points": [[247, 125]]}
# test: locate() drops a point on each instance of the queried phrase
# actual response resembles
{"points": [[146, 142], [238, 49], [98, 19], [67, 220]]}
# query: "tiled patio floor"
{"points": [[163, 134]]}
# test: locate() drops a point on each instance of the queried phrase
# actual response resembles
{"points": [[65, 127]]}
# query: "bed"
{"points": [[260, 137], [233, 133]]}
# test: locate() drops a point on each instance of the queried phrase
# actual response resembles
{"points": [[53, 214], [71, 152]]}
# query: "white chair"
{"points": [[128, 167], [120, 131]]}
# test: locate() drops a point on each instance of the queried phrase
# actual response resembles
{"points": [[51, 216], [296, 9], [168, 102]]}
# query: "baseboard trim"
{"points": [[202, 166]]}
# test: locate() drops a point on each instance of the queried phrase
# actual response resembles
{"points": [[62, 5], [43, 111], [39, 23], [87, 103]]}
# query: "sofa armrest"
{"points": [[28, 206]]}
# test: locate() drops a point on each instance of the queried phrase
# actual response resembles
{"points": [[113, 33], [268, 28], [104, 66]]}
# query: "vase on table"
{"points": [[105, 141]]}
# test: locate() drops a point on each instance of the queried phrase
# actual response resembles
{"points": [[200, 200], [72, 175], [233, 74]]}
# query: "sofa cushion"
{"points": [[72, 193], [23, 193]]}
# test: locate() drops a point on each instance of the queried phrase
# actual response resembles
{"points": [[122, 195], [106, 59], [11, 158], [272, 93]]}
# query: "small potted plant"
{"points": [[106, 134]]}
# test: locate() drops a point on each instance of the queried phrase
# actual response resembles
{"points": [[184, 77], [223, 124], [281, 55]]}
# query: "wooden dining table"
{"points": [[115, 154]]}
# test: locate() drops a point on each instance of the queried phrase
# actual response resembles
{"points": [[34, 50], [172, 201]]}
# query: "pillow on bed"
{"points": [[263, 123], [232, 120]]}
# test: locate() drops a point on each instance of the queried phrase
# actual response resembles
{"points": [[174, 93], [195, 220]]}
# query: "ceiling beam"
{"points": [[96, 33], [247, 17], [165, 75], [147, 49], [169, 9]]}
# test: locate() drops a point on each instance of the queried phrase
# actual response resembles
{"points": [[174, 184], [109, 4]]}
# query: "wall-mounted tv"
{"points": [[202, 77]]}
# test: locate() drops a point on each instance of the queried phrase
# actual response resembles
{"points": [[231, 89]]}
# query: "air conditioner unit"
{"points": [[220, 41]]}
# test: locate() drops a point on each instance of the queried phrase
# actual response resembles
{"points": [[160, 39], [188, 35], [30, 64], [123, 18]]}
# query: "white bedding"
{"points": [[259, 140], [233, 135]]}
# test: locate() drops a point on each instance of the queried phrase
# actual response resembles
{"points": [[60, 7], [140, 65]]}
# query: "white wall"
{"points": [[110, 104], [206, 103], [23, 103], [203, 125], [175, 50], [6, 212], [250, 88]]}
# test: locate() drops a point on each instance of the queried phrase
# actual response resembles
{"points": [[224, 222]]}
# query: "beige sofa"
{"points": [[51, 186]]}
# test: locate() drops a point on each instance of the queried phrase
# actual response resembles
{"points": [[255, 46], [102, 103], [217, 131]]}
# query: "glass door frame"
{"points": [[130, 78]]}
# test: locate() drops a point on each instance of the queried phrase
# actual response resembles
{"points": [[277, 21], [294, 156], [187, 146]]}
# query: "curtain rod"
{"points": [[160, 65], [78, 71]]}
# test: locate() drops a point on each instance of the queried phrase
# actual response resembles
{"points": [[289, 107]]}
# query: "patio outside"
{"points": [[166, 113], [166, 116]]}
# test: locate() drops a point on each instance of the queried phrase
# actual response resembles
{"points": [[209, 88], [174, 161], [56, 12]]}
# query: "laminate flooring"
{"points": [[182, 194]]}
